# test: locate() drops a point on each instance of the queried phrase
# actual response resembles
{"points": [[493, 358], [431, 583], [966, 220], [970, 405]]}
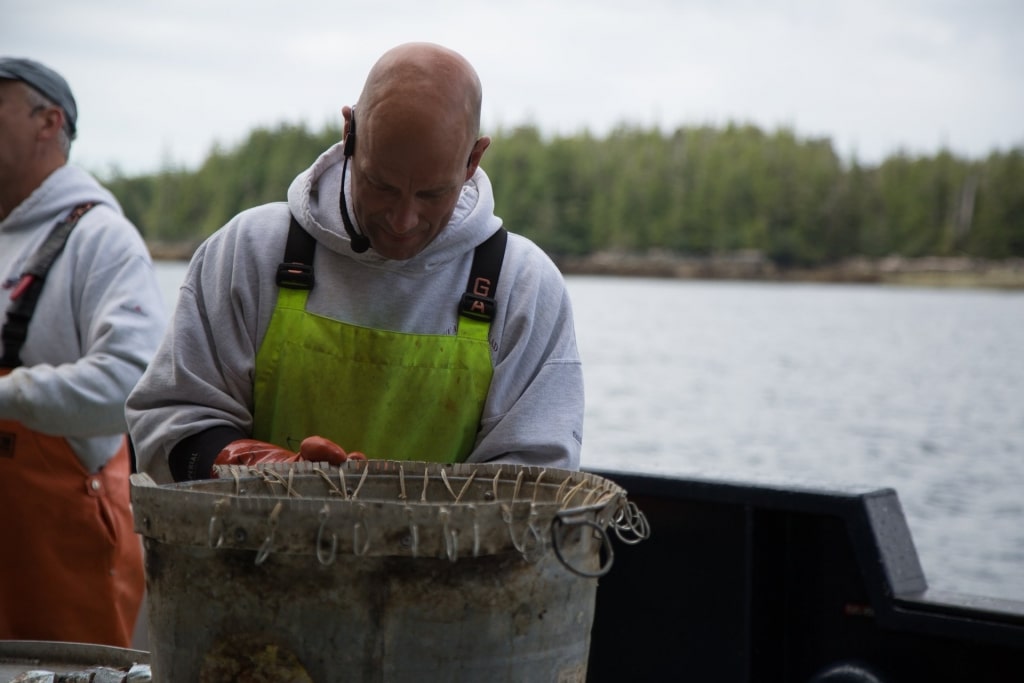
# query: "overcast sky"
{"points": [[160, 83]]}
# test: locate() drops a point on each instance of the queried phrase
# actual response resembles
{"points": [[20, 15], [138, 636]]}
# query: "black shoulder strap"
{"points": [[296, 271], [478, 301], [26, 292]]}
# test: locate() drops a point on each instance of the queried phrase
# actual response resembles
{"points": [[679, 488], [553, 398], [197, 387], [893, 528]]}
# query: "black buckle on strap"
{"points": [[295, 276], [477, 306]]}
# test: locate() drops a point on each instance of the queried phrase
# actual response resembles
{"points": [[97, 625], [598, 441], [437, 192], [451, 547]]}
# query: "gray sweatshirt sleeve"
{"points": [[201, 375], [76, 376]]}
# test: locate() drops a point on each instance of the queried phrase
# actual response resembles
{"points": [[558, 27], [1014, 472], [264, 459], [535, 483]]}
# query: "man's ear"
{"points": [[53, 117], [350, 130], [477, 153]]}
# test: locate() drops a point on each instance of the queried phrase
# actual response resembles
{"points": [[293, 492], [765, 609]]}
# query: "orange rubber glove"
{"points": [[252, 452], [319, 449]]}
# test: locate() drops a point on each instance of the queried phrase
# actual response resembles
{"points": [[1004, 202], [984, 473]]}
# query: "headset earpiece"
{"points": [[350, 139], [357, 241]]}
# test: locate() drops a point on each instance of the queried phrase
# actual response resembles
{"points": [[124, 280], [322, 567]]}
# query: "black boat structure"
{"points": [[751, 583]]}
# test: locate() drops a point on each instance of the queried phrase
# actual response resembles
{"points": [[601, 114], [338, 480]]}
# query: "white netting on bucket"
{"points": [[392, 508]]}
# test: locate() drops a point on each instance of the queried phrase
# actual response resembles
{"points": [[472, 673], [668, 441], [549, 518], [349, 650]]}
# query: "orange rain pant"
{"points": [[70, 560]]}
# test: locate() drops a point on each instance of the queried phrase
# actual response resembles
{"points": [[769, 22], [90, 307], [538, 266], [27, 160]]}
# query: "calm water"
{"points": [[920, 390]]}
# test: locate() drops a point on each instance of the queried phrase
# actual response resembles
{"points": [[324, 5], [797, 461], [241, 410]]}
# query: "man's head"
{"points": [[37, 123], [45, 82], [418, 125]]}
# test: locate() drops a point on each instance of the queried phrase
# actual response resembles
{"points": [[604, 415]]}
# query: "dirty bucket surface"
{"points": [[374, 571]]}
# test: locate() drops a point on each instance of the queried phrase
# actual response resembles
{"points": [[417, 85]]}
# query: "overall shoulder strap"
{"points": [[296, 270], [26, 292], [478, 300]]}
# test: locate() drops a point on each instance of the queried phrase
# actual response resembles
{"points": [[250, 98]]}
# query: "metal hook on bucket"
{"points": [[414, 532], [360, 524], [522, 545], [476, 530], [506, 516], [451, 536], [325, 512], [268, 542], [538, 539], [559, 520], [217, 524]]}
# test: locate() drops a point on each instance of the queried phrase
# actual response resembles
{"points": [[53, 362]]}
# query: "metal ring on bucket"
{"points": [[633, 520], [557, 545]]}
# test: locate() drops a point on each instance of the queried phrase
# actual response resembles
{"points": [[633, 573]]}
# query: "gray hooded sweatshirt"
{"points": [[202, 375], [97, 323]]}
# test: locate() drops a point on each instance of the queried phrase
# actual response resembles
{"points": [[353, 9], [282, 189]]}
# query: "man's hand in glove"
{"points": [[319, 449], [251, 452]]}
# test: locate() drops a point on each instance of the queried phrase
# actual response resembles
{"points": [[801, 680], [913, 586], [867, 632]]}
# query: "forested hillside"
{"points": [[696, 192]]}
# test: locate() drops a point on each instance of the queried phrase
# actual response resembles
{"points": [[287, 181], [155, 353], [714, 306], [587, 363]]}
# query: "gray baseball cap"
{"points": [[44, 79]]}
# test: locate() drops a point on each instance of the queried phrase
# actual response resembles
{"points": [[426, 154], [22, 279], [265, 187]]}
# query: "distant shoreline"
{"points": [[171, 251], [924, 271]]}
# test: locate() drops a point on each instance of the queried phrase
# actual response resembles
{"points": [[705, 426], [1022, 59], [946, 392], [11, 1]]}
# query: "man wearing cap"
{"points": [[82, 315]]}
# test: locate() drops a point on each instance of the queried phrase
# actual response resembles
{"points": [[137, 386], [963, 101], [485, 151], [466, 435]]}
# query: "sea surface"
{"points": [[919, 390]]}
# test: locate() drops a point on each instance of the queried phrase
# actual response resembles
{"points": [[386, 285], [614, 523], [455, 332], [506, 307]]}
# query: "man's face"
{"points": [[406, 180], [18, 126]]}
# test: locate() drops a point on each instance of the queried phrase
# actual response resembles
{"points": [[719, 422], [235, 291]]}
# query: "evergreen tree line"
{"points": [[696, 191]]}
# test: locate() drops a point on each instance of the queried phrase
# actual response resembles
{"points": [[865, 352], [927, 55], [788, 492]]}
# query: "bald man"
{"points": [[382, 312]]}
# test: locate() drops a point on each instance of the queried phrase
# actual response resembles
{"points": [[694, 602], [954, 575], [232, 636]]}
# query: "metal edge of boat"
{"points": [[20, 656]]}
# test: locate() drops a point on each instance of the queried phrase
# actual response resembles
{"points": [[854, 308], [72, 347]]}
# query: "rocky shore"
{"points": [[924, 272]]}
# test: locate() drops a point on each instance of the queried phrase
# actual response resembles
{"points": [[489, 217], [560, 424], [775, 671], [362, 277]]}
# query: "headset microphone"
{"points": [[359, 243]]}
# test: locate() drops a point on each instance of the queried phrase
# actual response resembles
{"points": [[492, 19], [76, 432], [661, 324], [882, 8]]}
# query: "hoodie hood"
{"points": [[64, 189], [313, 198]]}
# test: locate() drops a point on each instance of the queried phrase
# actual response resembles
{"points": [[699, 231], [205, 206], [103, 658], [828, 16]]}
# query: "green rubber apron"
{"points": [[391, 395]]}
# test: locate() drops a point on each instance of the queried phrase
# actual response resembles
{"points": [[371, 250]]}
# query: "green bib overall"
{"points": [[391, 395]]}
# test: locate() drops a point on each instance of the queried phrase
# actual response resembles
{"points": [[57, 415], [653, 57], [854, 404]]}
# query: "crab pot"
{"points": [[375, 571]]}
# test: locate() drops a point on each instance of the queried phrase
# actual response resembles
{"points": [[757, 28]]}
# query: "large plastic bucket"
{"points": [[376, 571]]}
